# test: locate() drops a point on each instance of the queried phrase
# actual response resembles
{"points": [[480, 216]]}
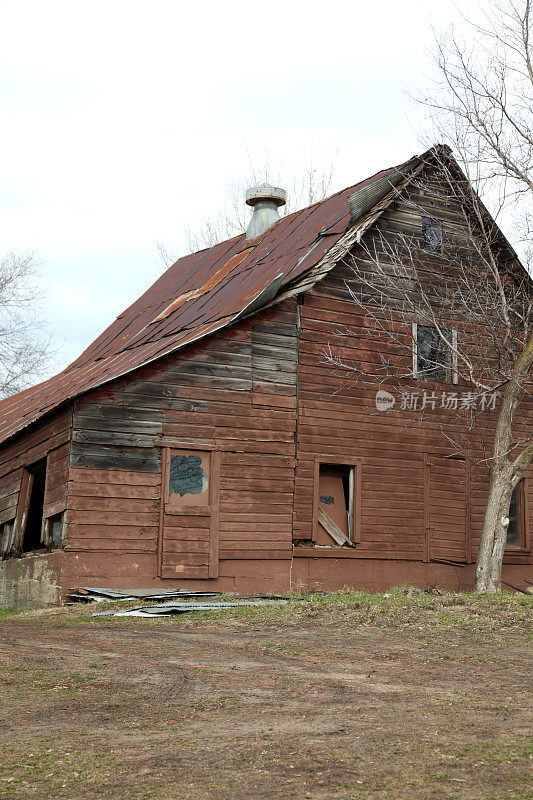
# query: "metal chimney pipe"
{"points": [[265, 201]]}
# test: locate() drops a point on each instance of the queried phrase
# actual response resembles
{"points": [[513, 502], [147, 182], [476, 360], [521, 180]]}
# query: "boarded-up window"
{"points": [[516, 528], [431, 235], [188, 479]]}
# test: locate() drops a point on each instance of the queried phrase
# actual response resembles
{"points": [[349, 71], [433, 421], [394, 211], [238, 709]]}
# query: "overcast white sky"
{"points": [[124, 123]]}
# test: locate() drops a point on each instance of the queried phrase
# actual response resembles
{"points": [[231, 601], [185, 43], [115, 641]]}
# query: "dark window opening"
{"points": [[335, 504], [432, 354], [516, 527], [431, 235], [56, 529], [6, 536], [34, 521]]}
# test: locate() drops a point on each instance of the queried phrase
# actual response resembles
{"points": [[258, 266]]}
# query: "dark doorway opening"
{"points": [[34, 522]]}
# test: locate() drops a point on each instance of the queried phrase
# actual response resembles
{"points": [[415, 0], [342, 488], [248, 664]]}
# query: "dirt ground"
{"points": [[397, 697]]}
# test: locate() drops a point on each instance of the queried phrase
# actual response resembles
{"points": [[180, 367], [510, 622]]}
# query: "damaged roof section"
{"points": [[206, 291], [364, 198], [215, 279]]}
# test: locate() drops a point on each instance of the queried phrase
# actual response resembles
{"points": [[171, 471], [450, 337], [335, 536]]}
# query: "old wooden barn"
{"points": [[203, 440]]}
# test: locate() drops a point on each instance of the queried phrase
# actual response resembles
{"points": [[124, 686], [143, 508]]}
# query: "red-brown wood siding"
{"points": [[234, 395], [337, 417]]}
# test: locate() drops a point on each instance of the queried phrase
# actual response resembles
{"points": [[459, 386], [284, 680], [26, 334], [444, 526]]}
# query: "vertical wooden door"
{"points": [[189, 514], [447, 509]]}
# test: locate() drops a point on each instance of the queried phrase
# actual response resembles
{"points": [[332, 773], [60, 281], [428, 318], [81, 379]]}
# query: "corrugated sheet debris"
{"points": [[87, 594], [169, 609]]}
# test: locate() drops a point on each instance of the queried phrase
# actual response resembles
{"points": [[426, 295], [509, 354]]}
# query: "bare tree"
{"points": [[24, 349], [483, 107], [229, 221]]}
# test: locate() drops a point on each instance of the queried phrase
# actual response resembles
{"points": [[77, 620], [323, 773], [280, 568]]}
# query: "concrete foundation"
{"points": [[33, 581]]}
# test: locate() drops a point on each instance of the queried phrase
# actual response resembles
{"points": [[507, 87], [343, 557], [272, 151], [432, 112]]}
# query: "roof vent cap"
{"points": [[265, 201]]}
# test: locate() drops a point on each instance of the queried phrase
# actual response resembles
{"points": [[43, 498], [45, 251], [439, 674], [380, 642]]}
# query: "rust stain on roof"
{"points": [[233, 262], [199, 294]]}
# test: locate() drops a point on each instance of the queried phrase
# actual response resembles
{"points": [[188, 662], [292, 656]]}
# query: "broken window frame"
{"points": [[23, 507], [355, 465], [48, 530], [522, 529], [39, 475], [451, 367], [50, 512], [22, 512], [7, 529], [429, 242]]}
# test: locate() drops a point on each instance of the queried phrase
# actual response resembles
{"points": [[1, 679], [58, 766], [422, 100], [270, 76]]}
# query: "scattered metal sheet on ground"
{"points": [[86, 594], [168, 609]]}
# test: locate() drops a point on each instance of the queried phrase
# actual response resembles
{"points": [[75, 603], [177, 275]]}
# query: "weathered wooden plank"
{"points": [[118, 518], [185, 558], [245, 554], [109, 545], [8, 513], [101, 457], [113, 438], [102, 530], [114, 476], [185, 535], [177, 571], [175, 549], [114, 490], [113, 504], [180, 521]]}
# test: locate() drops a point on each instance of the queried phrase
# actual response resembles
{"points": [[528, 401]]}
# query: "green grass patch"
{"points": [[9, 612]]}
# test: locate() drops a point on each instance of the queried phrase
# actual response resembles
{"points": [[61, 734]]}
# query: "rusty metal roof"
{"points": [[201, 293]]}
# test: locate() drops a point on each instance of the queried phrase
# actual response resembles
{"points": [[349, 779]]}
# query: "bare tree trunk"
{"points": [[504, 476], [494, 532]]}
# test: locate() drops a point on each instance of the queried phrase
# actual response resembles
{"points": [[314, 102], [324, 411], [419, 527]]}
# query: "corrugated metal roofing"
{"points": [[201, 293]]}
